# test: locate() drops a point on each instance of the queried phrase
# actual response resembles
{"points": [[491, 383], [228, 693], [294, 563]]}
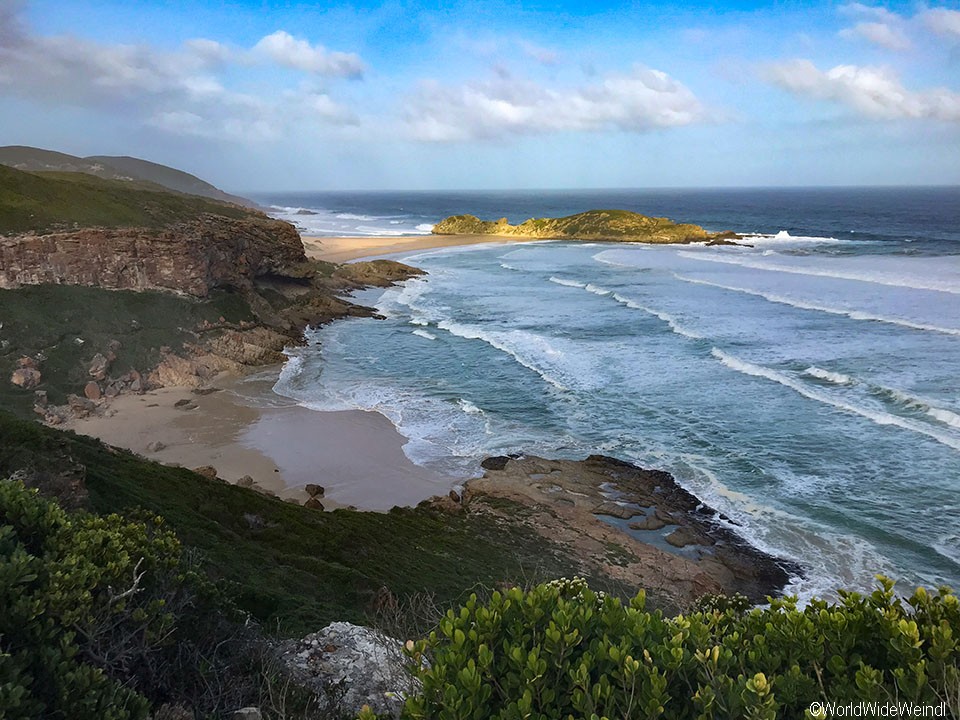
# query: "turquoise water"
{"points": [[806, 387]]}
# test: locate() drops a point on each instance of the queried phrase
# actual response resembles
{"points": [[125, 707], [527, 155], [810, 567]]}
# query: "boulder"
{"points": [[314, 490], [27, 362], [313, 504], [348, 666], [246, 481], [92, 391], [80, 406], [681, 537], [156, 446], [40, 398], [98, 367], [497, 462], [650, 522], [25, 377], [208, 471]]}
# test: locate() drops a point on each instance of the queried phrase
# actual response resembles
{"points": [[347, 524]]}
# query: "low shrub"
{"points": [[104, 616], [563, 651]]}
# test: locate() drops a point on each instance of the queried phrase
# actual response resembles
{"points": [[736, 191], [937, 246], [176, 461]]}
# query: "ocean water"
{"points": [[807, 387]]}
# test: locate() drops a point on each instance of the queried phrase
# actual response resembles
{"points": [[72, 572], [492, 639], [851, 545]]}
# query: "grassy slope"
{"points": [[49, 319], [305, 568], [167, 176], [44, 201]]}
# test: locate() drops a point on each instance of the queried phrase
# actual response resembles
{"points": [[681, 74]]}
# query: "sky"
{"points": [[464, 94]]}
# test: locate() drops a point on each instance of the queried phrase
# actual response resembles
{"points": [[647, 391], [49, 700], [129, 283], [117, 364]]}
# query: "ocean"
{"points": [[806, 387]]}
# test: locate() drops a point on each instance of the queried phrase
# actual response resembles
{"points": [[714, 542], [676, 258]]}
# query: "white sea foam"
{"points": [[567, 283], [912, 402], [469, 408], [632, 304], [785, 238], [669, 319], [517, 344], [326, 223], [946, 284], [596, 290], [803, 305], [507, 266], [828, 375], [876, 416], [351, 216], [424, 334], [945, 416]]}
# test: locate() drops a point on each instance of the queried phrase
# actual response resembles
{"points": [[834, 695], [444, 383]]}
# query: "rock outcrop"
{"points": [[596, 225], [191, 258], [634, 525], [348, 666]]}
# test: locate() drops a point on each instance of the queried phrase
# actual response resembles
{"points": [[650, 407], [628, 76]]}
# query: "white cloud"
{"points": [[638, 101], [873, 92], [878, 26], [182, 92], [284, 49], [878, 33], [942, 21]]}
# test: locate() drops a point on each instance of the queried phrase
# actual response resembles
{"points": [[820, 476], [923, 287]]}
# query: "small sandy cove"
{"points": [[344, 249], [244, 428]]}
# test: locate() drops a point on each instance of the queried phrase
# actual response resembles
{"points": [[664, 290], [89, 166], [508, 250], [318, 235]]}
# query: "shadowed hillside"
{"points": [[129, 169]]}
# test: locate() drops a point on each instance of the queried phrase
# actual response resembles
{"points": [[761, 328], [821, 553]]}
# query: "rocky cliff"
{"points": [[192, 257], [596, 225]]}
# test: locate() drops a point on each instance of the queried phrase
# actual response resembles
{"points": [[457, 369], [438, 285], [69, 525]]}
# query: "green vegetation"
{"points": [[74, 643], [598, 225], [285, 563], [104, 616], [127, 169], [562, 651], [52, 320], [57, 200]]}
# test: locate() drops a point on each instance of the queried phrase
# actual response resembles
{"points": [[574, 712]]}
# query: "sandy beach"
{"points": [[245, 429], [344, 249]]}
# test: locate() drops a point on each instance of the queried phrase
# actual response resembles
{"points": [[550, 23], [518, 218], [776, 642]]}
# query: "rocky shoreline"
{"points": [[633, 526], [638, 526]]}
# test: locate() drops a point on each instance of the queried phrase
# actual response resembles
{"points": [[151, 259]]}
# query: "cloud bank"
{"points": [[180, 92], [870, 91], [638, 101]]}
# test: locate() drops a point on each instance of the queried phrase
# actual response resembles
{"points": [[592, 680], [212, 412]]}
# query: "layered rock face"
{"points": [[190, 258]]}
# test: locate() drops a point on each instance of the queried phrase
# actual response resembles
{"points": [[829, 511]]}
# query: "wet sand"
{"points": [[245, 429]]}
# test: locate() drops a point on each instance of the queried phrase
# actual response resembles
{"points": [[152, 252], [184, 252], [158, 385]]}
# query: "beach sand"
{"points": [[245, 429], [344, 249]]}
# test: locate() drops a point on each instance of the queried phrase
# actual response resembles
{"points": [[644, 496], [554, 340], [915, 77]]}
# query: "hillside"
{"points": [[168, 177], [123, 168], [287, 563], [63, 200], [598, 225]]}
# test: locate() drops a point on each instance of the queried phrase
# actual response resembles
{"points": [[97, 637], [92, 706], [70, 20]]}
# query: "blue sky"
{"points": [[402, 95]]}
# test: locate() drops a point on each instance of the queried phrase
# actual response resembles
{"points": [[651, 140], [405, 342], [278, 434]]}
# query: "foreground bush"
{"points": [[562, 651], [102, 616]]}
